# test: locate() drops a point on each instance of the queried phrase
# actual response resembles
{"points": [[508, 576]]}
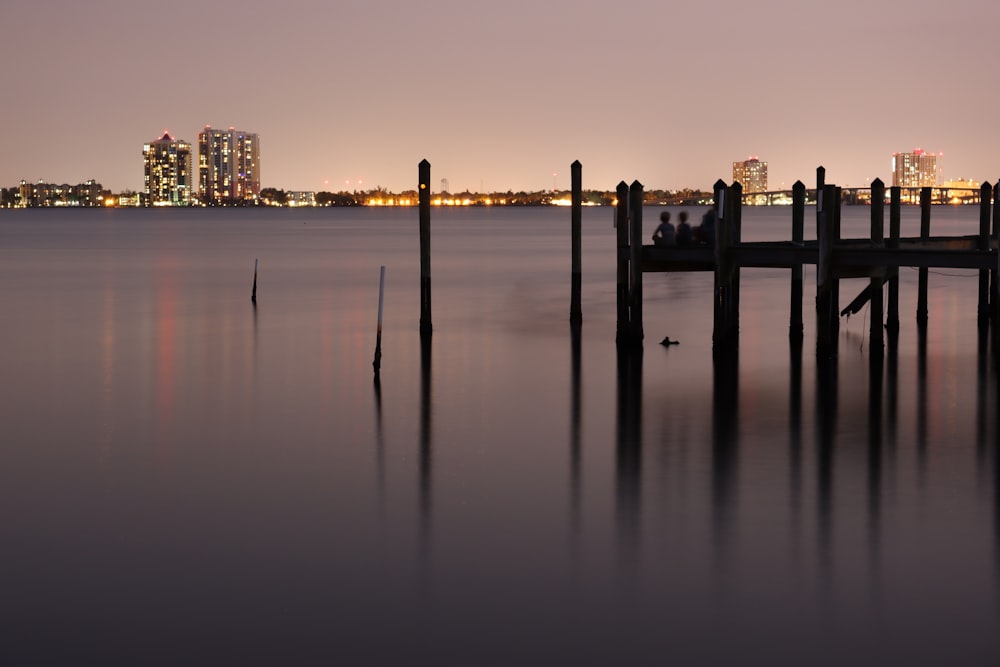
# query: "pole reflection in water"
{"points": [[826, 431], [725, 450], [795, 439], [425, 442], [629, 449], [875, 379], [379, 448], [922, 405], [575, 455]]}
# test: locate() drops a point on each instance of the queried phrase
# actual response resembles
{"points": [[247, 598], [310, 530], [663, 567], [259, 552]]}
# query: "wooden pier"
{"points": [[876, 257]]}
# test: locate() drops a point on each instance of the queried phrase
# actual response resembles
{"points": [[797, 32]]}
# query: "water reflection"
{"points": [[629, 449], [826, 432], [575, 455], [725, 449], [426, 418]]}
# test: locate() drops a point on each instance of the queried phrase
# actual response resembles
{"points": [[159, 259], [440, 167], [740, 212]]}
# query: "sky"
{"points": [[502, 95]]}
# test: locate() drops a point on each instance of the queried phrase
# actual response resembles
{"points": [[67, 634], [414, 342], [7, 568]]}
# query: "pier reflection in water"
{"points": [[510, 492]]}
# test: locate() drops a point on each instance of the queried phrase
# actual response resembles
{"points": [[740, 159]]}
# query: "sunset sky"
{"points": [[502, 95]]}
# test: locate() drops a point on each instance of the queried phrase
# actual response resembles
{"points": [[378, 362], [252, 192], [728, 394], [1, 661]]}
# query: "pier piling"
{"points": [[925, 234], [635, 197], [623, 255], [877, 279], [424, 198], [985, 193], [795, 327], [576, 216]]}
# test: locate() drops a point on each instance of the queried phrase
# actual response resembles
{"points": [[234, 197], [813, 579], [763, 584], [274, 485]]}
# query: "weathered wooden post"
{"points": [[820, 184], [795, 328], [576, 216], [635, 196], [253, 290], [985, 194], [877, 278], [925, 234], [722, 316], [621, 227], [424, 197], [892, 318], [994, 275], [735, 238], [826, 305]]}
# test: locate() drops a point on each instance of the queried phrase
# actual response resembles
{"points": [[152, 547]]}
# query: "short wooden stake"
{"points": [[377, 363], [253, 292]]}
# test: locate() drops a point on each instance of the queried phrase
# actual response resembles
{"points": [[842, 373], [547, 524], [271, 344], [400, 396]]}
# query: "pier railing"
{"points": [[877, 257]]}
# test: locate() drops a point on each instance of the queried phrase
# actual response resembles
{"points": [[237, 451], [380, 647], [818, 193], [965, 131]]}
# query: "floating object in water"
{"points": [[668, 341]]}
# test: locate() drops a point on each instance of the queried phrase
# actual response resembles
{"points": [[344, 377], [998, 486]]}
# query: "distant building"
{"points": [[751, 174], [228, 166], [914, 170], [167, 165], [89, 193], [300, 198]]}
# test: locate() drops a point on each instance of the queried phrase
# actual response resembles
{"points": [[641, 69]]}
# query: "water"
{"points": [[188, 480]]}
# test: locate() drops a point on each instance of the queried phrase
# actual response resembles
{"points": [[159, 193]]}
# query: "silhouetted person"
{"points": [[664, 234], [684, 234], [706, 230]]}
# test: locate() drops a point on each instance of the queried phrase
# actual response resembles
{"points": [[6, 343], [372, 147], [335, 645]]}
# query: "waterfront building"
{"points": [[301, 198], [751, 174], [42, 194], [167, 165], [914, 170], [228, 166]]}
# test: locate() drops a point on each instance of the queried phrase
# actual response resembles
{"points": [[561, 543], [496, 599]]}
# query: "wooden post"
{"points": [[253, 291], [985, 194], [424, 170], [723, 273], [994, 275], [621, 225], [377, 362], [735, 238], [795, 328], [576, 216], [875, 337], [635, 197], [820, 184], [892, 317], [925, 233], [826, 307]]}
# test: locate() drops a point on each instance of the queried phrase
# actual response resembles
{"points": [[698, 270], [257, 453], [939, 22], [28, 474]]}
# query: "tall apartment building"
{"points": [[914, 170], [167, 163], [228, 166], [751, 174]]}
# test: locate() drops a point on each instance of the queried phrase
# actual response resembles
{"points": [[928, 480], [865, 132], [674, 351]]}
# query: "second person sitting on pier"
{"points": [[664, 234], [684, 236]]}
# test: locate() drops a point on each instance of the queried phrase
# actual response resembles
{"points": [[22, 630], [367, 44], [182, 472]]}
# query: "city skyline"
{"points": [[497, 98]]}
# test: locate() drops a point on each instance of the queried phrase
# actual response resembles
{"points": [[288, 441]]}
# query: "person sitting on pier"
{"points": [[684, 235], [664, 234], [705, 233]]}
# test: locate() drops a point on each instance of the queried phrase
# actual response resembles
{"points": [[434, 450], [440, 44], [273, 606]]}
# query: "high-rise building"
{"points": [[914, 170], [228, 166], [751, 174], [167, 163]]}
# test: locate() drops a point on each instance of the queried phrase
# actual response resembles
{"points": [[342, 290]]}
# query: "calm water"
{"points": [[188, 480]]}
